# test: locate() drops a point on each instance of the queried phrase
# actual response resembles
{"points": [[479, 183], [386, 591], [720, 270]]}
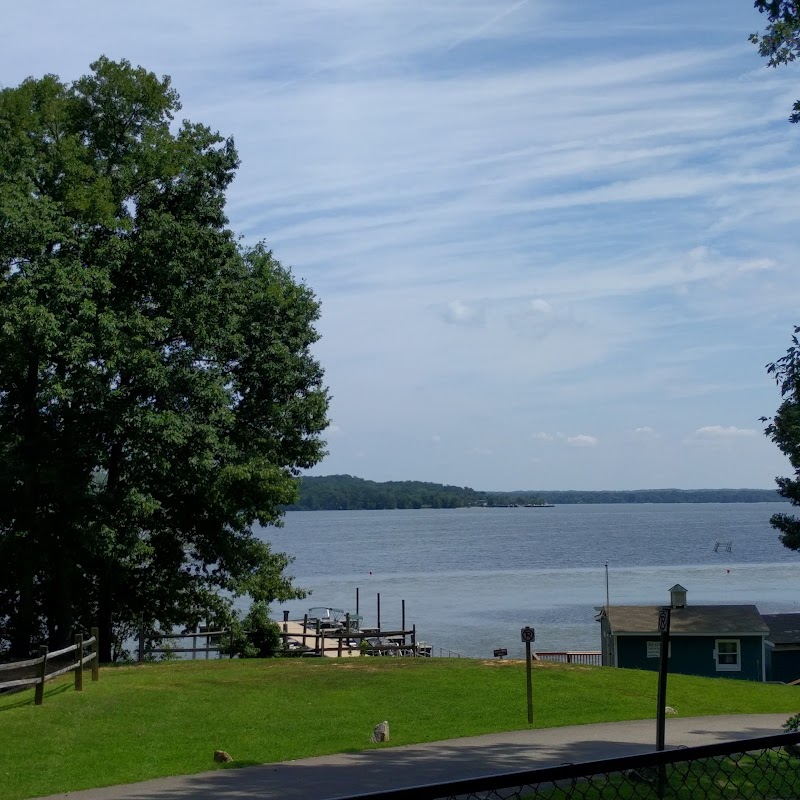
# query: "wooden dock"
{"points": [[344, 643]]}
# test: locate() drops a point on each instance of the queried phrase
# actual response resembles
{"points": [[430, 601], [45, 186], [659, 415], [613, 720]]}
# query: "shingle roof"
{"points": [[783, 628], [690, 619]]}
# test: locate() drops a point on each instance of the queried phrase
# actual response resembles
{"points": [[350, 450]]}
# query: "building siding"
{"points": [[692, 655], [782, 665]]}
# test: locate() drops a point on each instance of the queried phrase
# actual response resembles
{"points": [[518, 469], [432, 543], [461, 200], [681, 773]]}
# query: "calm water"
{"points": [[471, 578]]}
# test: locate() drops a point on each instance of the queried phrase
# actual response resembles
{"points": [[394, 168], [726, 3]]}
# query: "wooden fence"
{"points": [[39, 665]]}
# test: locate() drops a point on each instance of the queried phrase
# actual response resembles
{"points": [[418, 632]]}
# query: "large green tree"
{"points": [[784, 430], [158, 396], [780, 41], [780, 44]]}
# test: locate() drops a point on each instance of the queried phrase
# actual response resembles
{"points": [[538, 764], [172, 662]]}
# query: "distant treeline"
{"points": [[344, 492]]}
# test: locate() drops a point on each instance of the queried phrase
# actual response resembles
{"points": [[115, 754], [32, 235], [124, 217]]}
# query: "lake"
{"points": [[472, 577]]}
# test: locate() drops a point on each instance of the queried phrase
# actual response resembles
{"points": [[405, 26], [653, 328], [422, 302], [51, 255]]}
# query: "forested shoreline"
{"points": [[349, 493]]}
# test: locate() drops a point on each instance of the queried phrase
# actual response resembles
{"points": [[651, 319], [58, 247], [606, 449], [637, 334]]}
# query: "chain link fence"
{"points": [[766, 768]]}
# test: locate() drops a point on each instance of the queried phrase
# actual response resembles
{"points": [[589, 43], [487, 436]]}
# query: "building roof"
{"points": [[783, 628], [713, 620]]}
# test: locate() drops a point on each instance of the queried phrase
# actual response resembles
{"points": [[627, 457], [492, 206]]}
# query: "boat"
{"points": [[333, 618]]}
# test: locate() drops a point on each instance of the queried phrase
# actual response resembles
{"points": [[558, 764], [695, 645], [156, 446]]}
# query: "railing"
{"points": [[592, 657], [38, 666], [143, 650], [765, 768]]}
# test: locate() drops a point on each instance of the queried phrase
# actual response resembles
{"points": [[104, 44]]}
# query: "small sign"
{"points": [[663, 620], [500, 652], [654, 649], [528, 634]]}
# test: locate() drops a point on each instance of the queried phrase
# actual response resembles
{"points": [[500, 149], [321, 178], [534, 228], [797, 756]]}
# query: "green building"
{"points": [[783, 647], [714, 641]]}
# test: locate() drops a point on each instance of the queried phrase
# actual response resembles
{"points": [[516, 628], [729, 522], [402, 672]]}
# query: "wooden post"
{"points": [[194, 642], [79, 669], [38, 695], [339, 647], [319, 645], [379, 613], [347, 630], [285, 636], [141, 638], [414, 638], [403, 622], [356, 599], [305, 628], [96, 659]]}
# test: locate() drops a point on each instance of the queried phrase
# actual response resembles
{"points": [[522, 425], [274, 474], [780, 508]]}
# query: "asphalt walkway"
{"points": [[328, 777]]}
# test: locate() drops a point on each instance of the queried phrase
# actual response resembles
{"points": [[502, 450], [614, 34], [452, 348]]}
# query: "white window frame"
{"points": [[737, 667], [654, 648]]}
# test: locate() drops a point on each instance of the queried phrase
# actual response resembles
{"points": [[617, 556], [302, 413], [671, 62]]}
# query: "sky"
{"points": [[554, 242]]}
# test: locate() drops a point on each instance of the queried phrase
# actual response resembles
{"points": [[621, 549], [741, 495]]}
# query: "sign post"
{"points": [[661, 715], [528, 635]]}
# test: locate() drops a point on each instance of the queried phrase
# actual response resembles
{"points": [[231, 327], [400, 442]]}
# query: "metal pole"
{"points": [[530, 681], [356, 599], [608, 602], [379, 612], [403, 624], [661, 715]]}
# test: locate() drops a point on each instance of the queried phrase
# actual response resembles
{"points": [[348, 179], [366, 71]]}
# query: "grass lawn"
{"points": [[166, 719]]}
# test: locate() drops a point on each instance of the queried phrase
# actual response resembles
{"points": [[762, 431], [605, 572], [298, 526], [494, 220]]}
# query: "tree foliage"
{"points": [[345, 492], [780, 42], [784, 430], [158, 395]]}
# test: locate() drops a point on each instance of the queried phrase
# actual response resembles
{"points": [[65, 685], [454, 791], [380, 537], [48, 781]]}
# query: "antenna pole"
{"points": [[608, 602]]}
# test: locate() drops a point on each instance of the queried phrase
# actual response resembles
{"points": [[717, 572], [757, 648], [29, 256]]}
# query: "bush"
{"points": [[255, 635]]}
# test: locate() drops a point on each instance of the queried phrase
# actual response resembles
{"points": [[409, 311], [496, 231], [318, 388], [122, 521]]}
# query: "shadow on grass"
{"points": [[28, 699], [379, 769]]}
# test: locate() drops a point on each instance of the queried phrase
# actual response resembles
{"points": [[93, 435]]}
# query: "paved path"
{"points": [[328, 777]]}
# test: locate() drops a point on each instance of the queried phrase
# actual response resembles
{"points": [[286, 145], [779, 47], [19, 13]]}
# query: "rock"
{"points": [[669, 710], [381, 732], [221, 757]]}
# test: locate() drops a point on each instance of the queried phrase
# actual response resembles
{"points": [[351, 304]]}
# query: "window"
{"points": [[726, 654], [654, 649]]}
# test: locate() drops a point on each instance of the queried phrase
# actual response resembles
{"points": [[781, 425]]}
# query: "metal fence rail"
{"points": [[591, 657], [766, 768]]}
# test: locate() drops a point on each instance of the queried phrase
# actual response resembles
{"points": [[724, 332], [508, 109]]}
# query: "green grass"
{"points": [[166, 719]]}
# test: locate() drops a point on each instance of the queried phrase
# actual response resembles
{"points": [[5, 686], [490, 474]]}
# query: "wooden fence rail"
{"points": [[45, 656]]}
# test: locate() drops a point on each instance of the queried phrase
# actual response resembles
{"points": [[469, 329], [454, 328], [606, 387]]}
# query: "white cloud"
{"points": [[645, 434], [333, 430], [582, 440], [460, 313], [539, 306], [720, 432], [543, 437]]}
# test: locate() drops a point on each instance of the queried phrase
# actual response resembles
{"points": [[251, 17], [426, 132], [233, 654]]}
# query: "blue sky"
{"points": [[555, 242]]}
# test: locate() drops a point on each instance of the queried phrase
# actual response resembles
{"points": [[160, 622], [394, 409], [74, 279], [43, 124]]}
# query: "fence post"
{"points": [[305, 629], [318, 642], [96, 659], [38, 695], [141, 638], [79, 669]]}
